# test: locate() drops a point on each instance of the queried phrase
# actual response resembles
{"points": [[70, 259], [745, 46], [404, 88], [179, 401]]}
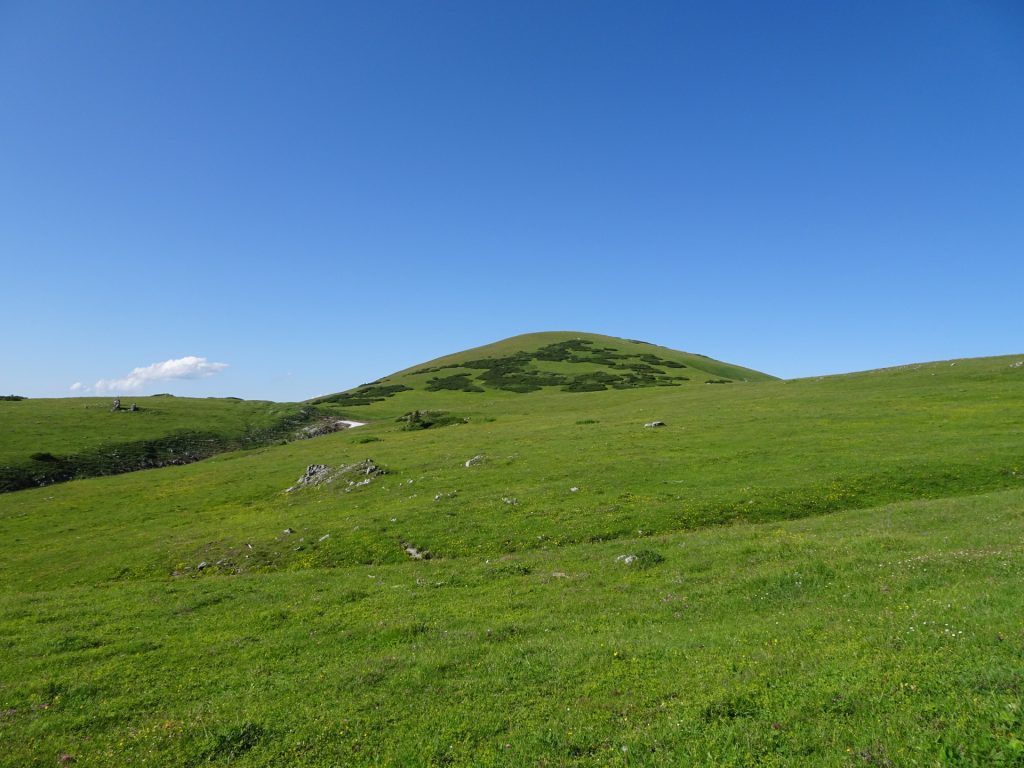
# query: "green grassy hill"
{"points": [[815, 572], [565, 361], [52, 440]]}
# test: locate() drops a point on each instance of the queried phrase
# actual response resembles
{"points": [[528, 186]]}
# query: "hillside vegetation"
{"points": [[565, 360], [815, 572]]}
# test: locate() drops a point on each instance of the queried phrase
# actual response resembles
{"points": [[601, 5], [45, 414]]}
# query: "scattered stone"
{"points": [[202, 565], [327, 427], [655, 424], [645, 558], [317, 474], [414, 553], [511, 500], [288, 531], [1018, 364], [316, 430], [325, 537], [559, 575], [574, 489], [475, 460], [314, 475], [116, 405]]}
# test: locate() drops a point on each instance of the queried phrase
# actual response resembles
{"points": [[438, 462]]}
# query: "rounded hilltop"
{"points": [[566, 361]]}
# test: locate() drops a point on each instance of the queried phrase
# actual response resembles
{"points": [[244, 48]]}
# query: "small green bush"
{"points": [[415, 420], [647, 558]]}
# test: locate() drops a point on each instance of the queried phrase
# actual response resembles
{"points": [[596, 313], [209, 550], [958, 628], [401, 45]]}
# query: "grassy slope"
{"points": [[84, 430], [845, 639], [892, 634]]}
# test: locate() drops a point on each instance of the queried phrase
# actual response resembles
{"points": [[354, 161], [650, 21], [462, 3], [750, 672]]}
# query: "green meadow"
{"points": [[820, 572]]}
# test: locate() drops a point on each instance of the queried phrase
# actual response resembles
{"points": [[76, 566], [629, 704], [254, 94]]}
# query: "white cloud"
{"points": [[77, 387], [183, 368]]}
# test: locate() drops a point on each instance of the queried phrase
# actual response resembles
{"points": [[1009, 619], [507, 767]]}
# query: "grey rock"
{"points": [[414, 552], [317, 474]]}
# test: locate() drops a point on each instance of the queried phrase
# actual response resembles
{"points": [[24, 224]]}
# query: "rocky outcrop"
{"points": [[351, 475]]}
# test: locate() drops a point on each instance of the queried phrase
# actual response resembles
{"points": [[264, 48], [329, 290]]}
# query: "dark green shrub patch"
{"points": [[516, 372], [718, 381], [642, 369], [515, 378], [427, 419], [13, 398], [591, 382], [366, 395], [584, 384], [562, 351], [459, 382]]}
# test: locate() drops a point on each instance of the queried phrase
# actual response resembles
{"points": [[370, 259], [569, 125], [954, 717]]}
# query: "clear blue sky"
{"points": [[317, 194]]}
